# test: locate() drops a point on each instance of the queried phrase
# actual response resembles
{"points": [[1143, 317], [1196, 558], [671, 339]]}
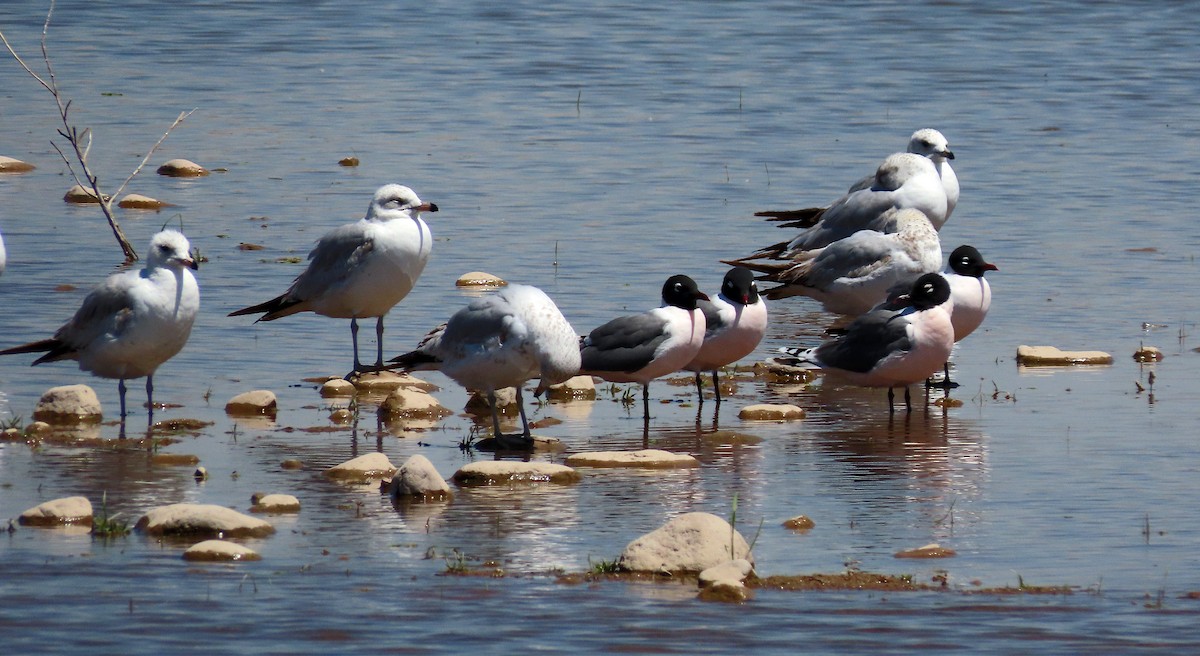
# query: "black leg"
{"points": [[646, 404], [907, 399], [716, 386], [150, 400], [891, 399], [121, 392], [354, 338], [699, 390], [379, 343]]}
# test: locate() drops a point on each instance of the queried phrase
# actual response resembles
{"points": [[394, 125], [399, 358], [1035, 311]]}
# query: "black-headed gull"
{"points": [[889, 347], [501, 340], [926, 142], [641, 347], [970, 294], [735, 322], [133, 322], [853, 275], [362, 269]]}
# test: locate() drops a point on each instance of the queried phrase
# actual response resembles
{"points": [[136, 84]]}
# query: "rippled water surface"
{"points": [[593, 150]]}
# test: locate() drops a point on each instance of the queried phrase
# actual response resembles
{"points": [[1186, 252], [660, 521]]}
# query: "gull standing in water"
{"points": [[889, 347], [3, 255], [497, 341], [926, 142], [133, 322], [970, 295], [641, 347], [361, 269], [735, 322]]}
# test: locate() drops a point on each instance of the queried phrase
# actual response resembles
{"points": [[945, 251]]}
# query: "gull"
{"points": [[3, 255], [926, 142], [735, 322], [641, 347], [904, 180], [901, 344], [497, 341], [853, 275], [133, 322], [362, 269]]}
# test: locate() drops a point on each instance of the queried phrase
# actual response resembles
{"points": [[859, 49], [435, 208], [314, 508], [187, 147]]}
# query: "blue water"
{"points": [[593, 150]]}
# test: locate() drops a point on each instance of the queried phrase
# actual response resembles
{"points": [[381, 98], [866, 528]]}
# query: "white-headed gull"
{"points": [[497, 341], [853, 275], [889, 347], [641, 347], [926, 142], [133, 322], [735, 322], [3, 255]]}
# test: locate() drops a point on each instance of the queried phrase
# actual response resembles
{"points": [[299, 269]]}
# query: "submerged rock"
{"points": [[11, 165], [202, 519], [655, 458], [726, 582], [479, 279], [504, 472], [506, 402], [363, 469], [1031, 356], [414, 403], [79, 195], [219, 551], [274, 503], [800, 523], [256, 402], [348, 161], [934, 550], [692, 542], [383, 381], [338, 387], [771, 412], [1148, 354], [575, 388], [140, 202], [67, 510], [68, 404], [417, 477], [182, 168]]}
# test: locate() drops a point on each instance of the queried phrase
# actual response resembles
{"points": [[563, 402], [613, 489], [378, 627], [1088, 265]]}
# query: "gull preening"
{"points": [[497, 341], [641, 347], [903, 343], [735, 322], [133, 322], [361, 270], [926, 142]]}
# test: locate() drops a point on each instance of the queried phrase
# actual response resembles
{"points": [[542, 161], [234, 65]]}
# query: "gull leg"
{"points": [[379, 343], [699, 391], [907, 399], [646, 404], [354, 338], [150, 400], [717, 386], [121, 392], [524, 420], [891, 399]]}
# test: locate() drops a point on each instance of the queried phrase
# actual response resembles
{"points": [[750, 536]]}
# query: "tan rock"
{"points": [[692, 542], [348, 161], [934, 550], [37, 428], [363, 469], [338, 387], [291, 463], [577, 388], [77, 194], [383, 381], [341, 416], [182, 168], [219, 551], [800, 523], [256, 402], [68, 404], [655, 458], [417, 477], [140, 202], [1148, 354], [733, 572], [413, 403], [202, 519], [506, 472], [479, 279], [67, 510], [506, 402], [771, 412], [275, 503], [1032, 356], [10, 165]]}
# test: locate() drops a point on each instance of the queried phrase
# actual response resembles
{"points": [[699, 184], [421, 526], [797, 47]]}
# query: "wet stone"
{"points": [[503, 472], [653, 458], [692, 542], [202, 519], [37, 428], [338, 387], [11, 165], [67, 510], [275, 503], [363, 469], [800, 523], [414, 403], [68, 404], [77, 194], [348, 161], [291, 463], [417, 477], [140, 202], [928, 551], [771, 412], [257, 402], [1148, 354], [1032, 356], [182, 168], [576, 388], [219, 551], [479, 279], [733, 572], [383, 381], [506, 402]]}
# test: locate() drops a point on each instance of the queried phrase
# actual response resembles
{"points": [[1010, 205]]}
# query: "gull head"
{"points": [[682, 292], [930, 143], [170, 248], [393, 201]]}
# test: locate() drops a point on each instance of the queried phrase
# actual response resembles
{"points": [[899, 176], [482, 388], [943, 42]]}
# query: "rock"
{"points": [[257, 402], [68, 404], [1148, 354], [140, 202], [414, 403], [77, 194], [576, 388], [724, 591], [799, 523], [418, 477], [348, 161], [643, 458], [291, 463], [67, 510], [504, 472], [363, 469], [37, 428], [202, 519], [10, 165], [341, 416], [506, 403], [1032, 356], [479, 279], [275, 503], [928, 551], [174, 459], [382, 381], [219, 551], [692, 542], [338, 387], [771, 412], [182, 168], [733, 572]]}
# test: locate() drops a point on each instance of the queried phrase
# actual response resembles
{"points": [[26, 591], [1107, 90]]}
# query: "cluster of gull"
{"points": [[874, 253]]}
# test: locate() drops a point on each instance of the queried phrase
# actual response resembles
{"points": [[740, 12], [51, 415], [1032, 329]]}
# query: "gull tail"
{"points": [[280, 306], [53, 348]]}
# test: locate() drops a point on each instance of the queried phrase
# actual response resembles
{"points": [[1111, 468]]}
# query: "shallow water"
{"points": [[593, 151]]}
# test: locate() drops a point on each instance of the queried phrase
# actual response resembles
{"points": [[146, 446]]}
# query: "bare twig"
{"points": [[81, 142]]}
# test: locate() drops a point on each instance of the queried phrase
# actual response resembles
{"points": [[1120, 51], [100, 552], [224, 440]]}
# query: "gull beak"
{"points": [[702, 296], [191, 261], [426, 207], [948, 154], [988, 266]]}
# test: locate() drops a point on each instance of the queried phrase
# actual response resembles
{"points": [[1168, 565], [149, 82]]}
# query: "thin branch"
{"points": [[178, 119]]}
